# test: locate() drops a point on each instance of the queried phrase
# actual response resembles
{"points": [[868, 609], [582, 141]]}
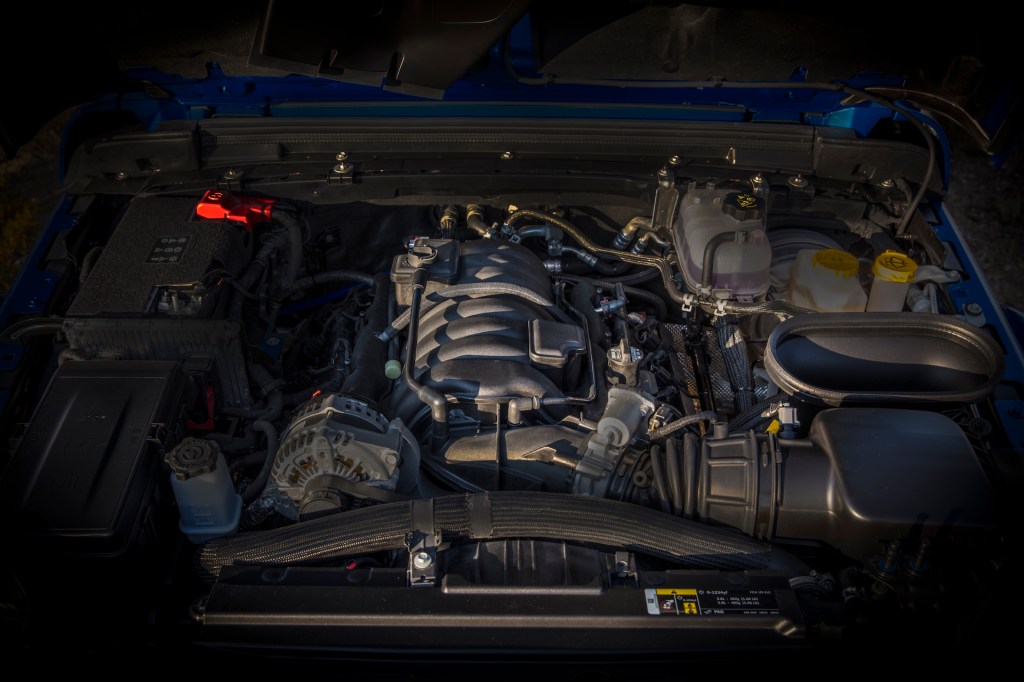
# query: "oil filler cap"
{"points": [[192, 457], [743, 206]]}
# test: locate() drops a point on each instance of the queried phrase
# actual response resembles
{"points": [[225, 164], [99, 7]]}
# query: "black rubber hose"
{"points": [[617, 268], [367, 380], [710, 250], [330, 277], [675, 475], [260, 482], [631, 292], [430, 397], [475, 220], [639, 277], [498, 515]]}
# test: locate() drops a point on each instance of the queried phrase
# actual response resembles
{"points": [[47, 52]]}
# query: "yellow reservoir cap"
{"points": [[840, 263], [893, 266]]}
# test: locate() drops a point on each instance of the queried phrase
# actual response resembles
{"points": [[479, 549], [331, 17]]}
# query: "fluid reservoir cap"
{"points": [[839, 263], [392, 369], [743, 206], [192, 457], [893, 266]]}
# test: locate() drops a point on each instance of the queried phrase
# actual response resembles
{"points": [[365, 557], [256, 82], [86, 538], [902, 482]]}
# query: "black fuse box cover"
{"points": [[88, 463]]}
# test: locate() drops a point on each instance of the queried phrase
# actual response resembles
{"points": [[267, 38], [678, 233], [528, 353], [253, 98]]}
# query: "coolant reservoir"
{"points": [[209, 506], [741, 267], [826, 280]]}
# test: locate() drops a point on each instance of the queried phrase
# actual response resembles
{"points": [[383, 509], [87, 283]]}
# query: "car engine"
{"points": [[728, 376]]}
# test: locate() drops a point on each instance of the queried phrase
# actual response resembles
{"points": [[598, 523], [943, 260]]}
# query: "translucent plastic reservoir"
{"points": [[741, 268], [892, 273], [207, 502], [826, 280]]}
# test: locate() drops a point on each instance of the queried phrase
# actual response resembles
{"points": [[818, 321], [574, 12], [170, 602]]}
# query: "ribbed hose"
{"points": [[631, 292], [472, 289], [662, 264], [737, 361], [493, 516]]}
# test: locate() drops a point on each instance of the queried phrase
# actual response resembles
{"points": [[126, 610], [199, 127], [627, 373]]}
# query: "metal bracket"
{"points": [[422, 544], [341, 173], [666, 198]]}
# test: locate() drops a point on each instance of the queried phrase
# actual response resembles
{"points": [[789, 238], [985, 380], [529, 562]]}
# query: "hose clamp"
{"points": [[422, 543]]}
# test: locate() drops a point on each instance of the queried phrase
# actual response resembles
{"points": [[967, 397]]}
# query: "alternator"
{"points": [[340, 449]]}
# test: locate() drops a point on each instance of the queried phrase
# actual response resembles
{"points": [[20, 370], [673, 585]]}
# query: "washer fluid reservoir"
{"points": [[740, 267], [826, 280]]}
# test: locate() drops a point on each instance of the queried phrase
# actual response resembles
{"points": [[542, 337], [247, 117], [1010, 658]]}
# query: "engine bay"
{"points": [[738, 399]]}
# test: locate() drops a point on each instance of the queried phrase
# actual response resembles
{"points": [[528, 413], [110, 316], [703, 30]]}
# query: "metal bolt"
{"points": [[887, 183], [798, 181], [506, 156], [892, 557], [341, 156], [422, 560], [232, 174], [121, 175], [920, 560], [342, 168], [273, 341], [973, 309], [674, 160], [757, 179]]}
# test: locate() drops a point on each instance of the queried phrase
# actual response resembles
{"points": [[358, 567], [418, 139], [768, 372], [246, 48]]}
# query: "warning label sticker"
{"points": [[680, 601], [168, 249]]}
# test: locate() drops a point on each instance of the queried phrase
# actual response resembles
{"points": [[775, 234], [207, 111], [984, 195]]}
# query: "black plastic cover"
{"points": [[89, 461], [553, 343], [839, 359], [881, 474], [157, 250], [863, 476]]}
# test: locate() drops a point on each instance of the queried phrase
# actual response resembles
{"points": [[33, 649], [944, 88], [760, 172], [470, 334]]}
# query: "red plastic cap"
{"points": [[219, 205]]}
